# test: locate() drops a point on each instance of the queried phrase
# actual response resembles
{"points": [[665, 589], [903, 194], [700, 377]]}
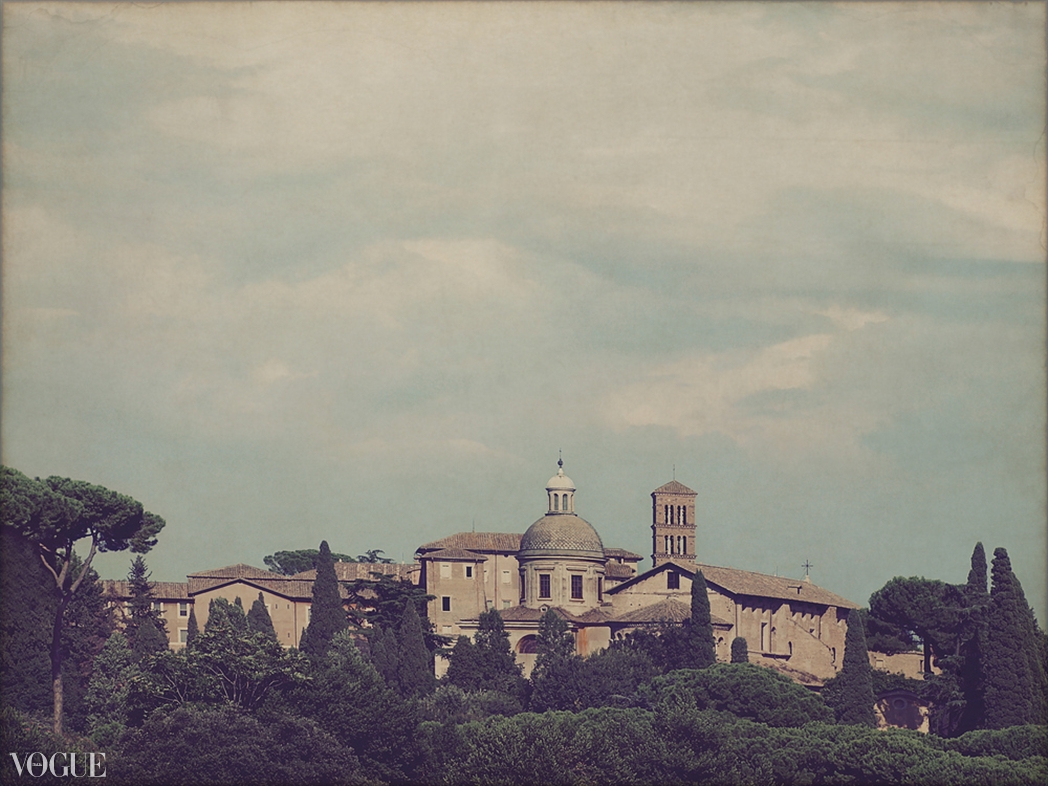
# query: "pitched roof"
{"points": [[668, 610], [613, 570], [161, 590], [745, 582], [350, 571], [476, 541], [239, 571], [622, 554], [455, 555], [674, 487]]}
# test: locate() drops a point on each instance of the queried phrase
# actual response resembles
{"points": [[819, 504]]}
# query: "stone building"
{"points": [[561, 563], [287, 598]]}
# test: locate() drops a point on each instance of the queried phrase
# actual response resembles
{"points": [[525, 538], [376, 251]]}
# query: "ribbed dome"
{"points": [[562, 533]]}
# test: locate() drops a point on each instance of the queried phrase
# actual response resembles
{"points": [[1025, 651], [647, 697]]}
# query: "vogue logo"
{"points": [[91, 765]]}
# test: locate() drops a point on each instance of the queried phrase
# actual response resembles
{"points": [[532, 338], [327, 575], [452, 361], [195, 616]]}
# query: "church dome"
{"points": [[562, 533], [560, 481]]}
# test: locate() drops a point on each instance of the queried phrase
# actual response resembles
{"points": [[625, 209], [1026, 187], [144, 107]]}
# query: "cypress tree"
{"points": [[192, 628], [972, 640], [975, 589], [327, 616], [557, 677], [258, 619], [498, 669], [415, 676], [740, 650], [701, 625], [145, 630], [853, 692], [385, 654], [1013, 674], [237, 616], [106, 701]]}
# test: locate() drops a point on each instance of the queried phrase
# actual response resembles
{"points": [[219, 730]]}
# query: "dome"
{"points": [[562, 534], [560, 481]]}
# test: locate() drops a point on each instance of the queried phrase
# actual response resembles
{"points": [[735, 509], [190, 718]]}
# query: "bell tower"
{"points": [[673, 524]]}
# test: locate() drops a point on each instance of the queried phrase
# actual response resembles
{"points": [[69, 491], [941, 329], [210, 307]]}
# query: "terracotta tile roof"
{"points": [[486, 542], [162, 590], [460, 555], [350, 571], [668, 610], [674, 487], [524, 614], [613, 570], [240, 571], [621, 554], [744, 582]]}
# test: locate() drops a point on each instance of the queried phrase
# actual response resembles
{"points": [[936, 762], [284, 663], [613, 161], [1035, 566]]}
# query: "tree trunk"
{"points": [[56, 666]]}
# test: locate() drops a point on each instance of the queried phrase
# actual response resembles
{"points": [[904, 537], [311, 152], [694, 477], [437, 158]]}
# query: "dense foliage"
{"points": [[327, 616]]}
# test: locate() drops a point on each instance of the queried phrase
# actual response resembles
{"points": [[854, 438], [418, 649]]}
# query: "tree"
{"points": [[192, 628], [928, 608], [107, 694], [56, 513], [327, 616], [349, 700], [379, 601], [740, 650], [850, 693], [145, 629], [288, 563], [487, 663], [258, 619], [223, 614], [1013, 668], [415, 675], [557, 679], [385, 653], [701, 624], [372, 556]]}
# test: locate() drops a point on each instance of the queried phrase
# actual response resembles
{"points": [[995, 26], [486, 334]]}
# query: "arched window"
{"points": [[684, 516], [556, 501], [529, 645]]}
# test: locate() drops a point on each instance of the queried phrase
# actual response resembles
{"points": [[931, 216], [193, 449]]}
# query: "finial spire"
{"points": [[807, 568], [560, 462], [674, 472]]}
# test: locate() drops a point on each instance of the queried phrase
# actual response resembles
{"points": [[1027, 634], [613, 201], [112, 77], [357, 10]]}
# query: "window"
{"points": [[505, 577], [183, 635], [672, 580], [158, 606], [522, 575], [505, 604], [445, 603], [544, 588], [469, 571], [183, 609], [445, 629], [576, 587], [600, 590], [445, 570]]}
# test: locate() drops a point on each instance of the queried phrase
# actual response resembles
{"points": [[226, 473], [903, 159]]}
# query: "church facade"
{"points": [[561, 563]]}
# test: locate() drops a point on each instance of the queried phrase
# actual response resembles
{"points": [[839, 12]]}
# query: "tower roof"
{"points": [[674, 487]]}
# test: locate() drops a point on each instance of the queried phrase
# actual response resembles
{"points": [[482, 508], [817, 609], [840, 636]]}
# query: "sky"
{"points": [[361, 272]]}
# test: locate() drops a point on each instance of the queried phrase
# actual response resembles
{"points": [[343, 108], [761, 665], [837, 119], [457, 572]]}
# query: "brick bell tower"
{"points": [[673, 524]]}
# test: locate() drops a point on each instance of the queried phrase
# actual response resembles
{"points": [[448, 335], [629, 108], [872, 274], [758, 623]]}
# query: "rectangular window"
{"points": [[183, 635], [505, 577], [576, 587], [600, 590], [183, 609], [544, 588], [445, 603], [469, 571], [505, 604], [522, 587], [672, 580], [445, 570], [158, 606], [446, 630]]}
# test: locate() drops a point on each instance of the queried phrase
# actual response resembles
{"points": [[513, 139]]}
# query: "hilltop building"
{"points": [[561, 563]]}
